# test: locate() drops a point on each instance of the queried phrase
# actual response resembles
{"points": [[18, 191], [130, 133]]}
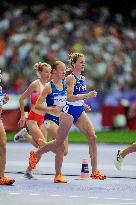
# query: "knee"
{"points": [[92, 138]]}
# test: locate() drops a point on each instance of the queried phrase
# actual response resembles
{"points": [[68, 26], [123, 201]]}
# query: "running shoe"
{"points": [[33, 160], [29, 175], [60, 179], [20, 135], [97, 175], [6, 180], [119, 160]]}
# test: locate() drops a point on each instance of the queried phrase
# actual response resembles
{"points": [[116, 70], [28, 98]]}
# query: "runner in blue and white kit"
{"points": [[54, 94], [76, 108], [56, 98]]}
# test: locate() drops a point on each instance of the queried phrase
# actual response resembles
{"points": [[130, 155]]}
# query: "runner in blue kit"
{"points": [[74, 112], [57, 97], [54, 94], [76, 108], [51, 120]]}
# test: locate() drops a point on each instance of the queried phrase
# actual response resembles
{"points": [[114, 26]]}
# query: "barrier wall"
{"points": [[100, 120]]}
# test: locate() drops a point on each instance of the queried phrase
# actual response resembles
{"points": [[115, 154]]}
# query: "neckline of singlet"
{"points": [[41, 85], [77, 77], [55, 86]]}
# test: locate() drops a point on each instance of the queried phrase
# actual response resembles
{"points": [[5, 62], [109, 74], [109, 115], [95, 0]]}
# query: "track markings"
{"points": [[34, 194], [78, 196], [14, 193], [74, 196]]}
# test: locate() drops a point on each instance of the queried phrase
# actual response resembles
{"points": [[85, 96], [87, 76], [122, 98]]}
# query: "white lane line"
{"points": [[54, 195], [14, 193], [74, 196], [111, 198], [92, 197]]}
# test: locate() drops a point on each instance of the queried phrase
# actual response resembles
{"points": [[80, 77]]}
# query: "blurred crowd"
{"points": [[38, 33]]}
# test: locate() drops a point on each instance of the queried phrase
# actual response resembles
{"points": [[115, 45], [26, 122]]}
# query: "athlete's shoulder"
{"points": [[35, 82], [70, 79], [47, 88], [48, 85], [33, 85]]}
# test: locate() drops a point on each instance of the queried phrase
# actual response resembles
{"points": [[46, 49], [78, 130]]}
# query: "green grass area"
{"points": [[114, 136]]}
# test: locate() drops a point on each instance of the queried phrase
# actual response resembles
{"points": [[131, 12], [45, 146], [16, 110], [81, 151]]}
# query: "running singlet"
{"points": [[76, 108], [79, 88], [57, 97], [32, 115], [34, 96]]}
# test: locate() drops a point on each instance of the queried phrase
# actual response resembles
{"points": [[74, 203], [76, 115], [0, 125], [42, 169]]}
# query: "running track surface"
{"points": [[118, 188]]}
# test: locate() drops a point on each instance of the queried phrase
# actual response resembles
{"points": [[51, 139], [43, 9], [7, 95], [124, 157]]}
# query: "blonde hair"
{"points": [[40, 66], [73, 58]]}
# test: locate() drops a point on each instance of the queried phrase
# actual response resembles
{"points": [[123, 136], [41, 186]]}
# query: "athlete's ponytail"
{"points": [[40, 66]]}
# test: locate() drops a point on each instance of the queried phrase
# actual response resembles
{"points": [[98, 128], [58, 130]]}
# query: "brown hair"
{"points": [[73, 58], [55, 65]]}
